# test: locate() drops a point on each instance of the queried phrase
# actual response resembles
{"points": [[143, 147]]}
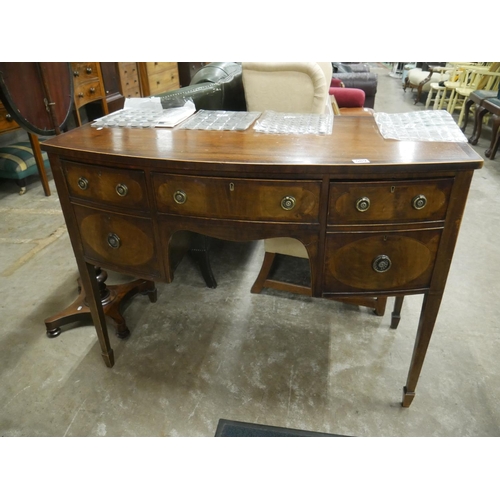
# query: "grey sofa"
{"points": [[358, 76]]}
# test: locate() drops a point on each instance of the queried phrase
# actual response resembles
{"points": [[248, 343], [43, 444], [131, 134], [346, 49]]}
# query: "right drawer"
{"points": [[397, 201], [380, 261]]}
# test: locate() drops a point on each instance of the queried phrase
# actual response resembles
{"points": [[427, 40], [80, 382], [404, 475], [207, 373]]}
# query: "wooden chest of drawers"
{"points": [[88, 86], [129, 79], [158, 77]]}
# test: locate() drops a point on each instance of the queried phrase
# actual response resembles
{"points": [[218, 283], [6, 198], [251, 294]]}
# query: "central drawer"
{"points": [[233, 198]]}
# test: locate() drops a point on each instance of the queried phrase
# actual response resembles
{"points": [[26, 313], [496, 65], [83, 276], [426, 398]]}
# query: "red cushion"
{"points": [[348, 98], [336, 82]]}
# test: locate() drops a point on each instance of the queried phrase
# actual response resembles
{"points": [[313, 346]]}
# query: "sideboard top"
{"points": [[355, 142]]}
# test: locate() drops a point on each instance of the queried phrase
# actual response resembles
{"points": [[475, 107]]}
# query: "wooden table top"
{"points": [[353, 138]]}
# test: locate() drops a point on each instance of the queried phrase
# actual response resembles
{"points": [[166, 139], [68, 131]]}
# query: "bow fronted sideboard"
{"points": [[377, 217]]}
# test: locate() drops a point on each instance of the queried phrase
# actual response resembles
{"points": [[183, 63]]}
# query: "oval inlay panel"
{"points": [[410, 258], [136, 246]]}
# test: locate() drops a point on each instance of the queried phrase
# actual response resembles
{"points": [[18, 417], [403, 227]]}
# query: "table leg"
{"points": [[428, 315], [494, 149], [396, 313], [467, 106], [478, 125], [92, 293], [491, 151], [37, 153]]}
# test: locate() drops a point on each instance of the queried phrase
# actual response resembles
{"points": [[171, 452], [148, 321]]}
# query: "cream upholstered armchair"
{"points": [[290, 87], [293, 87]]}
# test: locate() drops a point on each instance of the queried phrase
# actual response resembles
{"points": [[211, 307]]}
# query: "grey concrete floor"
{"points": [[198, 355]]}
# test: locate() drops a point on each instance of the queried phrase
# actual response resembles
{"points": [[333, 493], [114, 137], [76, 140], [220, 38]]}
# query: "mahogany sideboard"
{"points": [[378, 217]]}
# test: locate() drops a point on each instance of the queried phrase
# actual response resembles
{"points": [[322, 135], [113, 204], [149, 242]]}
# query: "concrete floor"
{"points": [[199, 355]]}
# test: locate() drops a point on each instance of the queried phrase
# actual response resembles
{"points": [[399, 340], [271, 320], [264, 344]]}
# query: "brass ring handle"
{"points": [[121, 189], [114, 240], [381, 264], [83, 183], [288, 203], [363, 204], [180, 197], [419, 202]]}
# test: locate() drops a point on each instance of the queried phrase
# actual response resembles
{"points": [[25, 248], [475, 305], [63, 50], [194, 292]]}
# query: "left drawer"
{"points": [[125, 243], [117, 187]]}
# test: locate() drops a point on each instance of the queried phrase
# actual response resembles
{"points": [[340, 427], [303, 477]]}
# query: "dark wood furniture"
{"points": [[487, 105], [38, 97], [476, 98], [128, 196], [112, 85]]}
